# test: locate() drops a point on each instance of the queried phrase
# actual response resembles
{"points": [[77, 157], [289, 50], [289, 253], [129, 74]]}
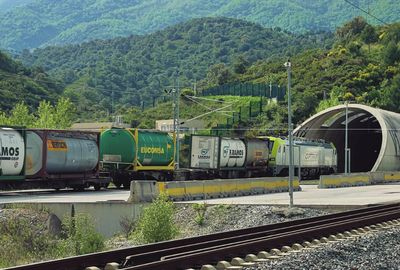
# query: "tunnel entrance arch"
{"points": [[373, 136]]}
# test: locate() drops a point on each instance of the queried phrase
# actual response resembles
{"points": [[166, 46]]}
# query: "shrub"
{"points": [[22, 241], [200, 209], [157, 222], [80, 236], [127, 225]]}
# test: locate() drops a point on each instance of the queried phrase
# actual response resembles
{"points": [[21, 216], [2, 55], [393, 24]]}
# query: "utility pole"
{"points": [[112, 101], [346, 167], [195, 87], [288, 65], [270, 90], [178, 124]]}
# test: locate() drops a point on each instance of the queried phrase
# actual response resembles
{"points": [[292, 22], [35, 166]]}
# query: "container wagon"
{"points": [[40, 158], [135, 154], [216, 156]]}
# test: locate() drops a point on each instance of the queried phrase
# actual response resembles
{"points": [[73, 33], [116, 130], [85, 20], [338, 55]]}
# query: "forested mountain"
{"points": [[48, 22], [363, 66], [21, 84], [6, 5], [137, 68]]}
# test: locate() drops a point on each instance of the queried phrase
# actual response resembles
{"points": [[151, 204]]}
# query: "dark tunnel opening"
{"points": [[364, 136]]}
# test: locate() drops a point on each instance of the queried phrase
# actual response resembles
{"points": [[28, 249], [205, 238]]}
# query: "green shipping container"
{"points": [[135, 149]]}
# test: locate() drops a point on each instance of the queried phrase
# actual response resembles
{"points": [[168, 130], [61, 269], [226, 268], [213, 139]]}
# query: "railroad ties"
{"points": [[239, 248]]}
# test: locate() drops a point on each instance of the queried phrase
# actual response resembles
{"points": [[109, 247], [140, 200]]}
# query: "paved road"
{"points": [[63, 196], [310, 195]]}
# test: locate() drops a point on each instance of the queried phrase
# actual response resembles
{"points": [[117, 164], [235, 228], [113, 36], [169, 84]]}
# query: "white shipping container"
{"points": [[233, 153], [204, 152], [12, 151]]}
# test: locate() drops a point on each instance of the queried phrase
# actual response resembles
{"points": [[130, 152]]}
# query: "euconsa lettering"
{"points": [[152, 150]]}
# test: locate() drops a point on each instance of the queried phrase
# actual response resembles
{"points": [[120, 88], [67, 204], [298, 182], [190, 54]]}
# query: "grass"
{"points": [[190, 109]]}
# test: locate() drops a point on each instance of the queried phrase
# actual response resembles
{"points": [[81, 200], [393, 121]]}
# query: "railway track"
{"points": [[209, 249]]}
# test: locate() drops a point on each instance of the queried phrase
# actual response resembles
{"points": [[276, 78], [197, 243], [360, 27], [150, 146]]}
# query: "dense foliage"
{"points": [[25, 237], [19, 83], [363, 66], [60, 116], [49, 22], [6, 5], [127, 71]]}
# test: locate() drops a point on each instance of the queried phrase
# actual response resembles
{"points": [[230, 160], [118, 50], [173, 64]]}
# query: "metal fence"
{"points": [[245, 114], [246, 89]]}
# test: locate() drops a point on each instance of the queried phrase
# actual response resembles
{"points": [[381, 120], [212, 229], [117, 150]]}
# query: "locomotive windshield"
{"points": [[270, 145]]}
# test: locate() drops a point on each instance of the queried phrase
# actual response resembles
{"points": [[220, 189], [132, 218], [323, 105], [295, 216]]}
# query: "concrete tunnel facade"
{"points": [[373, 136]]}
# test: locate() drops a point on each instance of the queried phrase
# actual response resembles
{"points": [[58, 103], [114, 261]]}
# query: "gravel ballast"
{"points": [[220, 218], [373, 250]]}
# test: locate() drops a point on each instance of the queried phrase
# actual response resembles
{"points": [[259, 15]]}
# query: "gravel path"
{"points": [[220, 218], [374, 250]]}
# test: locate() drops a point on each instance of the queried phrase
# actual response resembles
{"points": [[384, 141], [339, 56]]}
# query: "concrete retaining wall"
{"points": [[358, 179], [106, 216], [145, 191]]}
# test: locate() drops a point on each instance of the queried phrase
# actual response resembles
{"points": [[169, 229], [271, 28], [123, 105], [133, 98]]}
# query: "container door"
{"points": [[204, 152]]}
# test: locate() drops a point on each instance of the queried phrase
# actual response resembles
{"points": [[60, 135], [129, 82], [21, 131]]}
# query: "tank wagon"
{"points": [[229, 157], [130, 154], [312, 157], [40, 158]]}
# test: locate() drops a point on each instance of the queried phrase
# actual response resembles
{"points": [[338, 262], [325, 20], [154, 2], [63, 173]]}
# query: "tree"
{"points": [[240, 65], [369, 36], [391, 53], [64, 113], [45, 115], [218, 74], [391, 95], [20, 116], [351, 29]]}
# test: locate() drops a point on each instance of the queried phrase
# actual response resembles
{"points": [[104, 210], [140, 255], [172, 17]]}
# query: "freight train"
{"points": [[57, 159], [40, 158], [130, 154]]}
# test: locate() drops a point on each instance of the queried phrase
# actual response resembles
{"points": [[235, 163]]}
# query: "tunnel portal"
{"points": [[373, 136]]}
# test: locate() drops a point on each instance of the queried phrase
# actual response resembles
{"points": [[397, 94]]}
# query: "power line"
{"points": [[366, 12]]}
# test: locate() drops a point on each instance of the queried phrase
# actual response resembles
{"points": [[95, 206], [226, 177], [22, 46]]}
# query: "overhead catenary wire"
{"points": [[205, 106], [366, 12]]}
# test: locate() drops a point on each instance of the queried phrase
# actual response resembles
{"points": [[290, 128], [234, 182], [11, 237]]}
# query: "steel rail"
{"points": [[276, 235], [146, 257], [120, 255], [207, 256]]}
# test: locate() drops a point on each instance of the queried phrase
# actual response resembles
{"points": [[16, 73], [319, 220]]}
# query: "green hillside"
{"points": [[128, 71], [188, 110], [363, 66], [7, 5], [18, 83], [49, 22]]}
